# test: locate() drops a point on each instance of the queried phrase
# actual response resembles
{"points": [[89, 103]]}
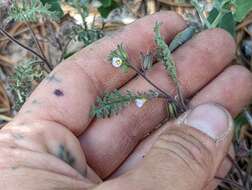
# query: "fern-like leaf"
{"points": [[22, 81], [111, 103], [87, 36], [30, 11], [164, 53]]}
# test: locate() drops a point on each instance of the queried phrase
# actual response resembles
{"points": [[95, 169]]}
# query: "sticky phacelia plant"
{"points": [[112, 102]]}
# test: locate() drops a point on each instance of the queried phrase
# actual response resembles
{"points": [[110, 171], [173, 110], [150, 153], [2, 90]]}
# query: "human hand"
{"points": [[54, 144]]}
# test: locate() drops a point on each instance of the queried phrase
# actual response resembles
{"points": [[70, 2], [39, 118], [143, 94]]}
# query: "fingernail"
{"points": [[211, 119]]}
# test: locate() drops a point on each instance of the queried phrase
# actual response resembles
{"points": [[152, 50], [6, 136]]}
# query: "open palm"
{"points": [[55, 123]]}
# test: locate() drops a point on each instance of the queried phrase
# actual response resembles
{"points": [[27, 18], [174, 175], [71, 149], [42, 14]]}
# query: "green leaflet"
{"points": [[107, 7], [86, 35], [242, 8], [54, 6], [164, 53], [21, 82], [112, 102], [227, 23]]}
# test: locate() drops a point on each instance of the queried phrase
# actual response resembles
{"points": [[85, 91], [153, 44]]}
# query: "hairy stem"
{"points": [[169, 97], [22, 45]]}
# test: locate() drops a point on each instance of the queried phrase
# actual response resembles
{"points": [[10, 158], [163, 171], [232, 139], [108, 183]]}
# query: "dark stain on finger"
{"points": [[65, 155], [58, 92]]}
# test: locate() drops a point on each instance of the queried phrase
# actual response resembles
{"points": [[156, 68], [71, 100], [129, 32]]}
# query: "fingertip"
{"points": [[226, 38], [244, 74], [232, 89], [221, 40]]}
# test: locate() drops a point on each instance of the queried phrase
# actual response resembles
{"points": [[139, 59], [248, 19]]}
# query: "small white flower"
{"points": [[140, 102], [117, 62]]}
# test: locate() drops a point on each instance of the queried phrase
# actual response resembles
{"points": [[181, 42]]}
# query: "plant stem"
{"points": [[180, 95], [39, 46], [165, 94], [217, 20], [22, 45], [204, 20], [237, 167], [5, 118], [230, 182], [64, 50], [248, 172], [248, 116]]}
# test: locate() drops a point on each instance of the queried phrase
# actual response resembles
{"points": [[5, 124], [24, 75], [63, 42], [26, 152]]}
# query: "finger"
{"points": [[217, 91], [71, 89], [187, 155], [235, 91], [197, 64]]}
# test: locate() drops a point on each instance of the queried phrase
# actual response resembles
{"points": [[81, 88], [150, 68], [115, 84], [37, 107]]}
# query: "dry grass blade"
{"points": [[4, 100], [174, 3]]}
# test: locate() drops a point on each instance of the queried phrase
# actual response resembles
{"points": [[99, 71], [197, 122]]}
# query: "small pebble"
{"points": [[246, 48], [117, 62], [250, 28], [140, 102]]}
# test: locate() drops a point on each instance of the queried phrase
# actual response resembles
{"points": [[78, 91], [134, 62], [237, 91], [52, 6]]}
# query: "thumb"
{"points": [[188, 154]]}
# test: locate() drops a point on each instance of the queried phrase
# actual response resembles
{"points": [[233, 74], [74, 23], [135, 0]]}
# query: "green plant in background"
{"points": [[106, 7], [33, 11], [55, 6], [30, 11], [22, 81], [225, 13], [87, 36], [82, 32], [29, 71]]}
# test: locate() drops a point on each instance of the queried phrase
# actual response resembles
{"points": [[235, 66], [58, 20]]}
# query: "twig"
{"points": [[5, 118], [3, 110], [64, 50], [248, 116], [167, 2], [247, 176], [18, 33], [22, 45], [237, 167], [39, 46], [230, 182]]}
